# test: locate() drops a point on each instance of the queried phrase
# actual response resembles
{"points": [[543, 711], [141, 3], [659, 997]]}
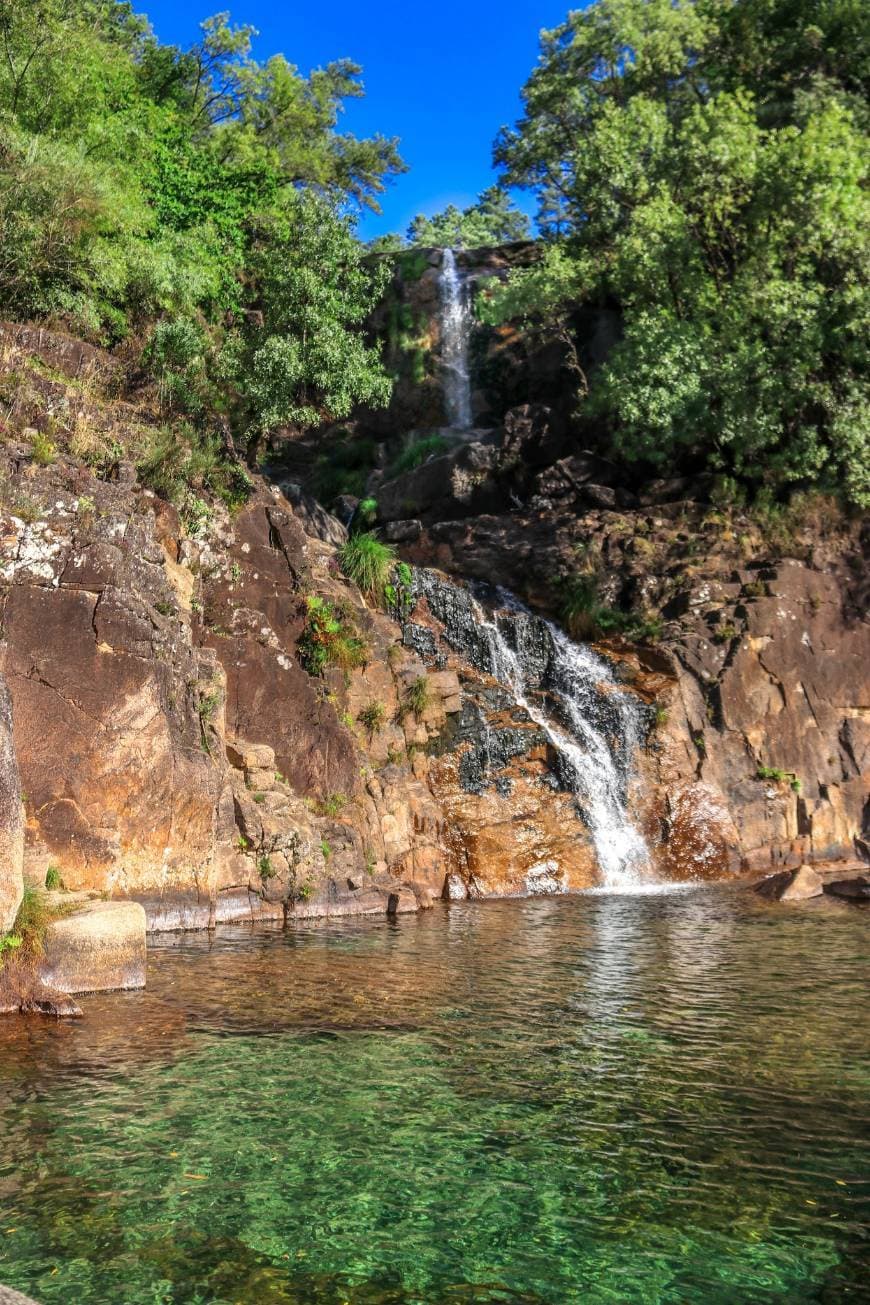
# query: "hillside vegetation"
{"points": [[193, 208], [704, 165]]}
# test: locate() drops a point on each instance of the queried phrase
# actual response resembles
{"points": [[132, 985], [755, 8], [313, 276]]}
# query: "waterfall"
{"points": [[601, 730], [455, 326]]}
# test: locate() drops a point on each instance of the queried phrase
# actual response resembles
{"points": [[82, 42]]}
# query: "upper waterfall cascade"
{"points": [[455, 329]]}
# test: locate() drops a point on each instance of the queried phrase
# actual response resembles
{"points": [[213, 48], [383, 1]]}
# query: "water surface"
{"points": [[591, 1099]]}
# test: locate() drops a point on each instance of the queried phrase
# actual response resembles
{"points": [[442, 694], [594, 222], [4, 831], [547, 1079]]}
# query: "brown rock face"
{"points": [[108, 694], [174, 748], [11, 818], [760, 675]]}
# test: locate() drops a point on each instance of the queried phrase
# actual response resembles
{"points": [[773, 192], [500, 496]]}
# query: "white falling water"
{"points": [[455, 327], [591, 768]]}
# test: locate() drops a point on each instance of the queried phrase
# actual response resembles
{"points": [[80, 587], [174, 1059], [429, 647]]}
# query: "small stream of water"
{"points": [[455, 328]]}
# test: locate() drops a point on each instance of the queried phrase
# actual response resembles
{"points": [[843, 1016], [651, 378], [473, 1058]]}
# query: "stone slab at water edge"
{"points": [[100, 947]]}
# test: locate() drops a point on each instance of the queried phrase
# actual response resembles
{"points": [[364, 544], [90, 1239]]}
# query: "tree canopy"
{"points": [[145, 186], [705, 165], [493, 220]]}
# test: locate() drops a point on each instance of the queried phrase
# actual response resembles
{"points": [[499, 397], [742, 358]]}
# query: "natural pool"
{"points": [[621, 1099]]}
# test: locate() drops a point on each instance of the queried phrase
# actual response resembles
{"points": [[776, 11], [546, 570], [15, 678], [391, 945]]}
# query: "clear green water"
{"points": [[601, 1099]]}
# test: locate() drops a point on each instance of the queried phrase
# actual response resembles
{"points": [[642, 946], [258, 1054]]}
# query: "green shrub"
{"points": [[586, 617], [332, 805], [176, 356], [33, 918], [53, 880], [343, 466], [779, 776], [417, 698], [329, 639], [367, 561], [372, 717], [414, 455], [180, 463], [44, 450]]}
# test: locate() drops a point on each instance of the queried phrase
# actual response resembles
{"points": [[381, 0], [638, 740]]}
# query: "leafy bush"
{"points": [[586, 617], [415, 454], [329, 639], [780, 777], [156, 193], [176, 356], [31, 922], [53, 880], [179, 460], [373, 717], [44, 450], [368, 562], [332, 805], [343, 466], [706, 167]]}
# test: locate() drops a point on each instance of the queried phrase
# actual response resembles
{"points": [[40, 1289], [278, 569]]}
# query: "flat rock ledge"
{"points": [[100, 947]]}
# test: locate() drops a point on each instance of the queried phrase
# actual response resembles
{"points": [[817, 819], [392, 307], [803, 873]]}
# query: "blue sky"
{"points": [[444, 77]]}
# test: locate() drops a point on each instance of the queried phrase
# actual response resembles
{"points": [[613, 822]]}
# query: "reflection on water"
{"points": [[596, 1099]]}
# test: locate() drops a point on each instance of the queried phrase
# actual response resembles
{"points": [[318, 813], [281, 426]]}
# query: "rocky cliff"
{"points": [[177, 747]]}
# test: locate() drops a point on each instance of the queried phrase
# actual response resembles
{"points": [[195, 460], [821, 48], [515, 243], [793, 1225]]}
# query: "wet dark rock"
{"points": [[852, 890], [403, 532], [317, 522]]}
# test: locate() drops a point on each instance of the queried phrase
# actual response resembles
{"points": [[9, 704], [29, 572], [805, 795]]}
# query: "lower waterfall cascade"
{"points": [[594, 769], [593, 725]]}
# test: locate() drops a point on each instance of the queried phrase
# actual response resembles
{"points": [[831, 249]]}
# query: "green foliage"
{"points": [[372, 717], [329, 638], [493, 220], [586, 617], [367, 561], [418, 452], [332, 805], [31, 923], [176, 356], [180, 462], [412, 263], [780, 777], [711, 164], [343, 466], [162, 193], [309, 361], [53, 880], [417, 698], [44, 450]]}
